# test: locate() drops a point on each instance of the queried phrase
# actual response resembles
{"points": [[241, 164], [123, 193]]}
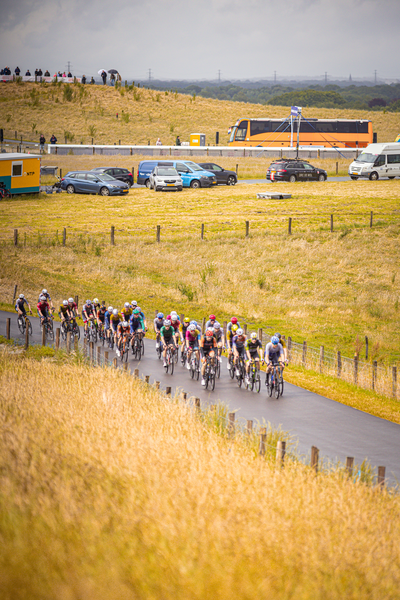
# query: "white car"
{"points": [[165, 178]]}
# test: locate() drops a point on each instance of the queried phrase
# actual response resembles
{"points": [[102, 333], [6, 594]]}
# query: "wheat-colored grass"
{"points": [[109, 492]]}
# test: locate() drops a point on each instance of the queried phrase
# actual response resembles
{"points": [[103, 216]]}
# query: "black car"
{"points": [[117, 173], [222, 175], [294, 170]]}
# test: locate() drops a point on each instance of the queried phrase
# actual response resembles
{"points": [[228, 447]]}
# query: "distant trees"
{"points": [[377, 102]]}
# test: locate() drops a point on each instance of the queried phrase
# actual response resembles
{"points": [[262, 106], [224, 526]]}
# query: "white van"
{"points": [[377, 160]]}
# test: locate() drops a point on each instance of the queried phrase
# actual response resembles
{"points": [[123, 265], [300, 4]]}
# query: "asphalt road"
{"points": [[337, 430]]}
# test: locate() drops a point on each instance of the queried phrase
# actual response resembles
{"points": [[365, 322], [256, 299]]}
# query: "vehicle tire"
{"points": [[321, 177], [156, 189], [374, 176], [21, 324], [70, 189], [292, 178], [104, 191], [353, 178], [391, 177], [231, 180], [147, 183], [195, 184], [180, 189]]}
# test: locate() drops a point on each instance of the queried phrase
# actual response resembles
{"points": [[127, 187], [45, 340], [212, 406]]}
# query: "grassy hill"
{"points": [[81, 113], [109, 491]]}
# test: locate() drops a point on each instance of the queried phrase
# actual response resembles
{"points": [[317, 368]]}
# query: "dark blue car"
{"points": [[88, 182]]}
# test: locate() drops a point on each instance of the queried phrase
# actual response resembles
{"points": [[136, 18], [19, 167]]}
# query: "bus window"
{"points": [[326, 126], [259, 127], [241, 131], [347, 127]]}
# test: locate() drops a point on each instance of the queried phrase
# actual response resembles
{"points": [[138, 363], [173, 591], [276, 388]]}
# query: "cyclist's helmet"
{"points": [[186, 320], [173, 312], [209, 333], [167, 322], [124, 323], [239, 332], [110, 309], [70, 300], [217, 325], [115, 311], [42, 298], [95, 300], [212, 317], [160, 316], [192, 327], [253, 335], [235, 328], [44, 291], [88, 301], [174, 318], [274, 340], [234, 320], [127, 305], [193, 323], [21, 296], [134, 303], [65, 302], [136, 311], [278, 335]]}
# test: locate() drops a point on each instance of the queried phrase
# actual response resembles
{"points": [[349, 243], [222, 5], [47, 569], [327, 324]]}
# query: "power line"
{"points": [[219, 75], [149, 74]]}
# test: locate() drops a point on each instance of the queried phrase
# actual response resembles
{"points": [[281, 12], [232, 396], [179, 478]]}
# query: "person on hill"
{"points": [[158, 142], [28, 73], [42, 141], [17, 71], [92, 81], [53, 139], [83, 80], [178, 141], [104, 77], [47, 73]]}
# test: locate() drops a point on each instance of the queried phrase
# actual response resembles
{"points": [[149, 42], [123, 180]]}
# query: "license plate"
{"points": [[172, 184]]}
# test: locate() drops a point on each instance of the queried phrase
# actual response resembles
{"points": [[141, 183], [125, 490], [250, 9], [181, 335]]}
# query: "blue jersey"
{"points": [[107, 317], [136, 322]]}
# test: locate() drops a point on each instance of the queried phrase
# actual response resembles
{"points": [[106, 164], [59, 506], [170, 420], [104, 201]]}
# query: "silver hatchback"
{"points": [[165, 178]]}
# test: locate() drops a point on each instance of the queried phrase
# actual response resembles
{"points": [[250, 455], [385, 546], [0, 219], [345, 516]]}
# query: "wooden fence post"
{"points": [[106, 357], [366, 348], [355, 368], [8, 328], [112, 235], [260, 334], [77, 300], [76, 344], [289, 348], [91, 352], [231, 425], [290, 226], [136, 373], [197, 404], [374, 373], [249, 427], [337, 167], [314, 458], [99, 356], [15, 237], [371, 219], [43, 336], [280, 453], [339, 364], [26, 338], [115, 363], [225, 325], [321, 358], [64, 236], [263, 439], [350, 465], [125, 366], [331, 223], [147, 378], [15, 292], [245, 328], [85, 342], [183, 396], [157, 385], [158, 234], [247, 228], [68, 342], [394, 382], [202, 231], [203, 325], [304, 353], [381, 476]]}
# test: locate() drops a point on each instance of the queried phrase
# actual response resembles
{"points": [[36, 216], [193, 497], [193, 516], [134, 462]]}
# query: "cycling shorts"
{"points": [[241, 351]]}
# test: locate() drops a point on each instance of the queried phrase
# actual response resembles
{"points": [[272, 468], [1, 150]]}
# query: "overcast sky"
{"points": [[194, 39]]}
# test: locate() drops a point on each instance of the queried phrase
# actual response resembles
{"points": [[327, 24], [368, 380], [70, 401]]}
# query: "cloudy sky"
{"points": [[195, 39]]}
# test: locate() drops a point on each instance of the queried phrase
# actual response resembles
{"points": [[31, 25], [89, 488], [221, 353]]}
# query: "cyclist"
{"points": [[46, 294], [238, 343], [136, 322], [43, 308], [230, 334], [175, 324], [182, 332], [157, 325], [101, 317], [96, 305], [127, 311], [253, 348], [87, 313], [167, 338], [73, 308], [231, 323], [115, 319], [220, 338], [123, 336], [20, 306], [107, 316], [283, 344], [273, 354], [143, 318], [211, 321], [208, 344], [192, 342], [64, 312]]}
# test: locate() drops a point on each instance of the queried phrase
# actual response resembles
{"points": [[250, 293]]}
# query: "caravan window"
{"points": [[393, 158], [380, 161], [16, 170]]}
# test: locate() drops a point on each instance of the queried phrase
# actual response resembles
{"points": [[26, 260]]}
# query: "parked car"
{"points": [[165, 178], [377, 160], [292, 170], [87, 182], [223, 175], [117, 173], [192, 174]]}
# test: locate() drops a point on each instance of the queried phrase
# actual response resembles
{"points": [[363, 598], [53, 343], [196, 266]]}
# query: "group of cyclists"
{"points": [[170, 332]]}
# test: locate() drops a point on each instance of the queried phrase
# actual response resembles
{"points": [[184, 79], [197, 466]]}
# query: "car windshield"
{"points": [[366, 157], [105, 177], [194, 166], [232, 138], [167, 172]]}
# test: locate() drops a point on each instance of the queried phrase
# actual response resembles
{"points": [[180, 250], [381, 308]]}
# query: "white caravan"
{"points": [[377, 160]]}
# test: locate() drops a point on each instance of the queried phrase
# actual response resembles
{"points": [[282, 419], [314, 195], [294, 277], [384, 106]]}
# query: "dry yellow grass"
{"points": [[108, 492], [29, 108]]}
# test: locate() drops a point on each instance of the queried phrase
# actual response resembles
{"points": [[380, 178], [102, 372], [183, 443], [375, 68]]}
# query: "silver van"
{"points": [[376, 161]]}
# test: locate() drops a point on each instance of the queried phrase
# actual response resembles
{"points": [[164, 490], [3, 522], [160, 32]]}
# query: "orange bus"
{"points": [[338, 133]]}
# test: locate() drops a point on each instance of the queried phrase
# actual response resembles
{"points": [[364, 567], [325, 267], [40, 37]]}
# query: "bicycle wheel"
{"points": [[281, 385], [126, 353], [63, 329], [252, 378], [218, 369], [94, 334], [76, 331], [206, 377], [138, 349], [141, 345], [172, 358], [197, 369], [271, 385], [231, 368], [167, 359], [277, 389], [257, 383], [21, 324], [212, 379], [192, 367], [50, 332]]}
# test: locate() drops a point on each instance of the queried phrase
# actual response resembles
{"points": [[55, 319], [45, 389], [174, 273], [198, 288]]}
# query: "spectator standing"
{"points": [[42, 141], [40, 72], [104, 77], [158, 142], [83, 80], [69, 74], [92, 80], [47, 73], [53, 139], [178, 141], [7, 71], [28, 73], [112, 79], [119, 78], [59, 74], [17, 71]]}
